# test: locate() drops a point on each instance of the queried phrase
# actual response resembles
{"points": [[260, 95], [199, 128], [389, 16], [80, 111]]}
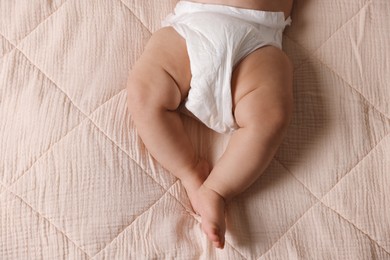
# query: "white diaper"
{"points": [[218, 37]]}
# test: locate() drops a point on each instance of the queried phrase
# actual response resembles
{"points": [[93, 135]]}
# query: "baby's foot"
{"points": [[211, 207], [207, 203]]}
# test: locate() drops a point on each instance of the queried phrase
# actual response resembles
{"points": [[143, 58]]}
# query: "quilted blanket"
{"points": [[76, 182]]}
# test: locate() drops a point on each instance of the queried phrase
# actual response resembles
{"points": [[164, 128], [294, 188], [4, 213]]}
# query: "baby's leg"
{"points": [[157, 84], [262, 94]]}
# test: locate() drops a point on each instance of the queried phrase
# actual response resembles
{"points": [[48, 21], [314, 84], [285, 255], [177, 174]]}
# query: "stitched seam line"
{"points": [[141, 22], [143, 170], [368, 154], [312, 206], [45, 219], [357, 228], [166, 191], [343, 25], [226, 241], [311, 53], [56, 85], [130, 157], [320, 200], [149, 175], [132, 12], [33, 29], [365, 100], [59, 141], [70, 100], [340, 77], [88, 117], [288, 230], [235, 249], [93, 123], [47, 151], [136, 218], [298, 180], [175, 182], [348, 171]]}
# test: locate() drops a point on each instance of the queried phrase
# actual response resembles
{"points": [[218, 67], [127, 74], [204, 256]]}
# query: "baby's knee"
{"points": [[275, 120], [146, 95], [273, 115], [279, 117]]}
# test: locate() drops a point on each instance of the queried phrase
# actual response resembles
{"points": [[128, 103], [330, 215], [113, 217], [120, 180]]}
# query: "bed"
{"points": [[76, 182]]}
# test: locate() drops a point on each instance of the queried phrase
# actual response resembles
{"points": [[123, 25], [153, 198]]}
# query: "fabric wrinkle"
{"points": [[218, 37]]}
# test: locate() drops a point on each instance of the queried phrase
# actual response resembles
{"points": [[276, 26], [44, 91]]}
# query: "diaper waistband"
{"points": [[266, 18]]}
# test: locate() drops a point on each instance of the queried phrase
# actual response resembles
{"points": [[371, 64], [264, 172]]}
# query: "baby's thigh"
{"points": [[167, 49], [161, 76], [262, 85]]}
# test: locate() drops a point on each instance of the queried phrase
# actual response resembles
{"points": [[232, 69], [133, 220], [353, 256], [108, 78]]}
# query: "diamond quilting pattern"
{"points": [[157, 233], [258, 224], [22, 229], [28, 97], [150, 13], [365, 37], [361, 197], [329, 237], [325, 106], [188, 239], [87, 188], [55, 188], [90, 47], [112, 118], [314, 22], [19, 18], [297, 54]]}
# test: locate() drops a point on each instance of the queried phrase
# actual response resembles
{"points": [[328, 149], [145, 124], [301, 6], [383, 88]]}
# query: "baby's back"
{"points": [[265, 5]]}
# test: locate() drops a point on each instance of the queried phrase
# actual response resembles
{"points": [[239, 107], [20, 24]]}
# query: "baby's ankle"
{"points": [[189, 181], [205, 188], [218, 188]]}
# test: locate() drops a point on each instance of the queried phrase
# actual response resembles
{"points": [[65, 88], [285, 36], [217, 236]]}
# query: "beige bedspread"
{"points": [[77, 183]]}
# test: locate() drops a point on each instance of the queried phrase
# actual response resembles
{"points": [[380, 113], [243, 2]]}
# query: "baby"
{"points": [[222, 60]]}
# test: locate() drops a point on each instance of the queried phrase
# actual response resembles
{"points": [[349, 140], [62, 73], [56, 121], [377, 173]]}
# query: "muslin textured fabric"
{"points": [[76, 182]]}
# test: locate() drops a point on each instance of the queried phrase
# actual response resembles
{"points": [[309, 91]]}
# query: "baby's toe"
{"points": [[214, 235], [218, 245], [219, 242]]}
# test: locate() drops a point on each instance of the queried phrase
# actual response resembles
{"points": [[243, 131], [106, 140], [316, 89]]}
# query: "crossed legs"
{"points": [[262, 97]]}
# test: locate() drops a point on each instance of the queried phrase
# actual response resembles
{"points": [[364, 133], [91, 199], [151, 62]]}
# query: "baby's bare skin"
{"points": [[262, 106], [264, 5]]}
